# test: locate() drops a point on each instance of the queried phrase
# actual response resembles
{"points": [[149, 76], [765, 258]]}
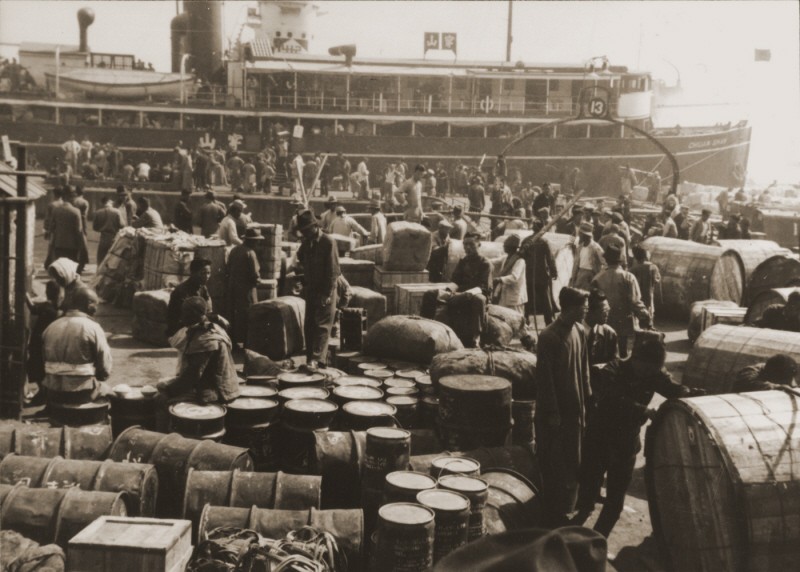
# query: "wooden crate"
{"points": [[408, 297], [357, 272], [131, 544], [712, 315], [384, 281]]}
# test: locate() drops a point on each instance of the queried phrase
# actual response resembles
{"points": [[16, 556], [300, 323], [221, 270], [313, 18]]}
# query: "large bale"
{"points": [[373, 302], [722, 351], [410, 338], [275, 327], [779, 271], [407, 247], [371, 252], [517, 366], [739, 260], [150, 317], [696, 315], [502, 326]]}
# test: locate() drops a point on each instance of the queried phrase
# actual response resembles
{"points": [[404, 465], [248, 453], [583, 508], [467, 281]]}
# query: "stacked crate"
{"points": [[385, 281], [270, 254], [408, 297]]}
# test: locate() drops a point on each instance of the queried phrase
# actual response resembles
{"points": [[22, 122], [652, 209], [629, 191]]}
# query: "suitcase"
{"points": [[275, 327]]}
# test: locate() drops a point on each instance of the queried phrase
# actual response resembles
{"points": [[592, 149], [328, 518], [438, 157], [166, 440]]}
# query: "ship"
{"points": [[540, 115]]}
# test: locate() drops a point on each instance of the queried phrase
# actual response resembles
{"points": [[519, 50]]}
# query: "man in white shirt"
{"points": [[346, 225], [363, 178], [227, 227], [377, 232], [410, 195], [510, 288], [143, 171]]}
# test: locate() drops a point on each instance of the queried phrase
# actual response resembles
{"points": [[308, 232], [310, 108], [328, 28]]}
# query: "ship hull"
{"points": [[707, 158]]}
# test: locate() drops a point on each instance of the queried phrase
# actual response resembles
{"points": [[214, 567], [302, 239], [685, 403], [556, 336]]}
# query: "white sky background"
{"points": [[710, 43]]}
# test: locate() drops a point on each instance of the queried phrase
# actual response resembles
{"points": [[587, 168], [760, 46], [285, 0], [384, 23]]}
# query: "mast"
{"points": [[508, 32]]}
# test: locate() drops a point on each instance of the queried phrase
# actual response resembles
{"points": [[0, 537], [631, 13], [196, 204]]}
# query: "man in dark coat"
{"points": [[66, 230], [108, 222], [182, 214], [319, 258], [195, 285], [541, 270], [563, 393], [243, 272]]}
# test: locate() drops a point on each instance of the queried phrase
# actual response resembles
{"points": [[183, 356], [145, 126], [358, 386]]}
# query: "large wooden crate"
{"points": [[408, 297], [131, 544], [357, 272], [712, 315], [384, 281]]}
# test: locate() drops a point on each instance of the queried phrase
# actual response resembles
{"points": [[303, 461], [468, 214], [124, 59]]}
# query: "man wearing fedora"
{"points": [[318, 256], [242, 272]]}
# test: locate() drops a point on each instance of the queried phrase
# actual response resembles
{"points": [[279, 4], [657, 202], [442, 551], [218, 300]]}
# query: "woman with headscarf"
{"points": [[65, 272]]}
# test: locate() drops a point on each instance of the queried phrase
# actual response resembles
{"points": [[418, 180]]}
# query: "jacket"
{"points": [[513, 289], [76, 353], [66, 227]]}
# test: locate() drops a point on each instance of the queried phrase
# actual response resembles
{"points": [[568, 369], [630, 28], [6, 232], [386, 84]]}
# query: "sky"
{"points": [[709, 45]]}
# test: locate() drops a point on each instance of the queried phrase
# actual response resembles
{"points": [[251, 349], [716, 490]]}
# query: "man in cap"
{"points": [[683, 223], [648, 277], [701, 229], [182, 213], [329, 215], [626, 387], [410, 194], [510, 288], [563, 393], [572, 225], [622, 290], [194, 286], [440, 247], [319, 259], [588, 258], [76, 353], [207, 373], [777, 372], [544, 199], [731, 231], [146, 217], [228, 228], [377, 230], [345, 225], [211, 213], [541, 270], [242, 273], [474, 270]]}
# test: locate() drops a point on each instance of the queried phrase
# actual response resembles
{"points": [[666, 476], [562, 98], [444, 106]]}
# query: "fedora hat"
{"points": [[586, 228], [253, 233], [306, 219]]}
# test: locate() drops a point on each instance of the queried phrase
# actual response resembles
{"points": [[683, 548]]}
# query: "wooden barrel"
{"points": [[723, 482], [132, 408], [197, 420], [778, 271], [30, 471], [405, 538], [764, 300], [695, 326], [474, 411], [686, 269], [722, 351], [739, 260], [512, 502]]}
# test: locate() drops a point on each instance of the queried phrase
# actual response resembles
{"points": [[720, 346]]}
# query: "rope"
{"points": [[694, 164]]}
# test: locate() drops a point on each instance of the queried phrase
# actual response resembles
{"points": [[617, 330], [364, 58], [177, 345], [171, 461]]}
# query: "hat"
{"points": [[238, 203], [340, 209], [577, 209], [512, 240], [564, 549], [374, 205], [253, 234], [444, 223], [705, 211], [588, 209], [613, 254], [305, 220], [331, 200], [586, 228], [616, 217], [544, 210]]}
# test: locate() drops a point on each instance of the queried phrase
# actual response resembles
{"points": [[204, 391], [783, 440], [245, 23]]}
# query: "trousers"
{"points": [[317, 326]]}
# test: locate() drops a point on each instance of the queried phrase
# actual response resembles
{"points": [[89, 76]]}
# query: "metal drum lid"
{"points": [[292, 379], [365, 365], [402, 391], [402, 400], [354, 380], [463, 484], [411, 480], [399, 382], [294, 393], [424, 382], [379, 373], [257, 391], [443, 500], [251, 403], [310, 406], [188, 410], [406, 513], [358, 392], [462, 465], [369, 408], [135, 393], [409, 373], [388, 433]]}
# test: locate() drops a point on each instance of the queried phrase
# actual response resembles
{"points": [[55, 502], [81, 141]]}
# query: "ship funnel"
{"points": [[347, 50], [85, 19]]}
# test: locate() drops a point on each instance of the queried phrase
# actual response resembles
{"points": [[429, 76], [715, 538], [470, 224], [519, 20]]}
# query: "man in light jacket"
{"points": [[510, 288]]}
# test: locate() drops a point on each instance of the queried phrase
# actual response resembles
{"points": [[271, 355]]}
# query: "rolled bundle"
{"points": [[516, 366], [779, 271], [410, 338], [686, 268], [732, 455], [739, 260], [764, 300], [722, 351]]}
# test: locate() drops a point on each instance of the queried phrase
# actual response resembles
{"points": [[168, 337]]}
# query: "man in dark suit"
{"points": [[66, 230]]}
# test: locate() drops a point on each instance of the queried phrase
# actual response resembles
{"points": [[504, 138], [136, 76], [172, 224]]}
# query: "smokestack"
{"points": [[205, 36], [85, 19]]}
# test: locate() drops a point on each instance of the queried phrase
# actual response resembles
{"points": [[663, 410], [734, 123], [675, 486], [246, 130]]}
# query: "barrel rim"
{"points": [[426, 476], [446, 492], [221, 410], [444, 478], [394, 433], [514, 474], [148, 474], [416, 506]]}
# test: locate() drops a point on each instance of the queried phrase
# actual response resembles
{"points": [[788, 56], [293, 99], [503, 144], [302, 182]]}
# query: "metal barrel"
{"points": [[91, 442], [452, 465], [452, 511], [250, 423], [477, 491], [135, 445], [512, 502], [357, 380], [69, 473], [131, 409], [353, 324], [213, 517], [402, 391], [79, 414], [428, 411], [337, 456], [425, 385], [308, 414], [402, 382], [361, 415], [407, 410], [403, 486], [294, 379], [170, 456], [517, 458], [474, 411], [80, 508], [38, 441], [6, 440], [196, 420], [347, 393], [387, 450], [138, 481], [405, 538], [30, 471], [523, 432]]}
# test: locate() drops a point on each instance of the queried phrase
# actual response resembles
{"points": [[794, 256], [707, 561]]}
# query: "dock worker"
{"points": [[782, 316], [194, 286], [510, 288], [300, 207], [442, 235], [108, 222], [777, 372], [126, 205], [242, 273], [541, 271], [207, 373], [182, 213], [377, 230], [346, 225], [410, 195], [701, 229], [146, 217], [211, 214], [76, 353], [319, 258], [229, 229], [329, 215], [66, 230], [588, 258]]}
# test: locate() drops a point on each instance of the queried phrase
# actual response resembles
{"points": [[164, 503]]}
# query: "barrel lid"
{"points": [[411, 480], [358, 392], [474, 383], [133, 394], [378, 373], [407, 391], [409, 373], [355, 380], [252, 403], [257, 391], [367, 365], [402, 400], [457, 464], [311, 405], [296, 377], [303, 393], [439, 499], [423, 380], [188, 410], [347, 355], [406, 513], [388, 433], [369, 408], [463, 483], [399, 382], [261, 379]]}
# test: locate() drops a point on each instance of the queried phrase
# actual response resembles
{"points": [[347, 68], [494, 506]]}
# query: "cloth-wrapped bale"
{"points": [[517, 366], [150, 317], [407, 247], [502, 326], [371, 252], [275, 327], [373, 302], [410, 338], [20, 554]]}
